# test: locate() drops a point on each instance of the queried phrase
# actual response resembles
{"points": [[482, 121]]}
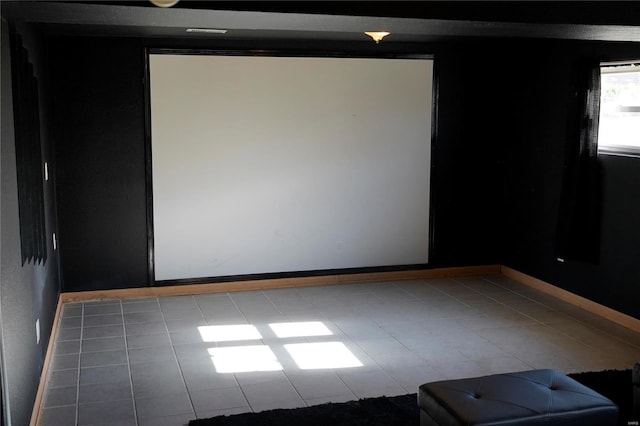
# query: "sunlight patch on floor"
{"points": [[244, 359], [321, 355], [229, 333]]}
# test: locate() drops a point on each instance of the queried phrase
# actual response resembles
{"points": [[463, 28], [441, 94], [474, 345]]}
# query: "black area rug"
{"points": [[403, 410]]}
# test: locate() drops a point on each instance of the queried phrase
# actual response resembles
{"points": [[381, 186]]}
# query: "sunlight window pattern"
{"points": [[244, 359], [322, 355], [251, 358]]}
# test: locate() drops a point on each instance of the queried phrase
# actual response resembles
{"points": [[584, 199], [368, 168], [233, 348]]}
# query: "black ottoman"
{"points": [[538, 397]]}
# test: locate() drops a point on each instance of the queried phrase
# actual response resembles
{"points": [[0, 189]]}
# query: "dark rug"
{"points": [[403, 410]]}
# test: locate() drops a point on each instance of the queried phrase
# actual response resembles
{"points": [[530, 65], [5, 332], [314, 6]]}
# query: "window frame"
{"points": [[612, 149]]}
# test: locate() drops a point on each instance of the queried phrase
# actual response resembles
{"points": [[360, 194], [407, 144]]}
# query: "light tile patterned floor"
{"points": [[146, 361]]}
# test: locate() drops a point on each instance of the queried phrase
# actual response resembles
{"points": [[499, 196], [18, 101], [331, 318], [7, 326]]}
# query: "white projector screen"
{"points": [[288, 164]]}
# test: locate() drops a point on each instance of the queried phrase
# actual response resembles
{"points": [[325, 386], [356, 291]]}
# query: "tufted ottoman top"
{"points": [[525, 398]]}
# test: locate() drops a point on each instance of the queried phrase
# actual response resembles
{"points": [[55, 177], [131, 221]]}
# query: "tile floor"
{"points": [[165, 361]]}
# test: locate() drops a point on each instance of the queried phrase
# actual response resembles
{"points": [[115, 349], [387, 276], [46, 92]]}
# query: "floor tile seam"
{"points": [[284, 373], [351, 338], [346, 385], [79, 369], [505, 304], [389, 375], [58, 406], [518, 354], [377, 364], [85, 315], [235, 304], [606, 333], [126, 351], [591, 328], [105, 365], [293, 387], [275, 306], [103, 400], [547, 305], [535, 320], [372, 356], [102, 326], [309, 401], [175, 355], [525, 298], [242, 391], [518, 293], [458, 280], [521, 360], [443, 292]]}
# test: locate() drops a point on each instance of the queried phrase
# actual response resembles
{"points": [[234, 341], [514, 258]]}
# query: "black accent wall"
{"points": [[100, 150], [467, 167], [503, 111], [533, 167]]}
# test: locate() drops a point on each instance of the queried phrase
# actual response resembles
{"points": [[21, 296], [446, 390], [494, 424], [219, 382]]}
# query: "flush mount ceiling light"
{"points": [[377, 35], [164, 3], [206, 30]]}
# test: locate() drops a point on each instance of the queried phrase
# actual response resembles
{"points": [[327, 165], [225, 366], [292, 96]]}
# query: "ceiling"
{"points": [[415, 21]]}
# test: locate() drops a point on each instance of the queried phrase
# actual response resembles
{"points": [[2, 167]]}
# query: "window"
{"points": [[619, 129]]}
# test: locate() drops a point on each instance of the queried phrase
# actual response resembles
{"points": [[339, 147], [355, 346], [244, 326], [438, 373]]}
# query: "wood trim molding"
{"points": [[179, 290], [572, 298], [44, 374]]}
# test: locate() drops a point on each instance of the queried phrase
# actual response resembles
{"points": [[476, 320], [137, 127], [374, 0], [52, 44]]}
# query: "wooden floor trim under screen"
{"points": [[189, 289]]}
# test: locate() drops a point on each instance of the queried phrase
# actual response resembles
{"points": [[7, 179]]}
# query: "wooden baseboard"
{"points": [[190, 289], [572, 298], [44, 374]]}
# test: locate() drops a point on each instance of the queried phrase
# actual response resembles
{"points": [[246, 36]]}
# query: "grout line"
{"points": [[126, 352], [79, 367], [175, 356], [283, 372], [576, 300], [578, 320]]}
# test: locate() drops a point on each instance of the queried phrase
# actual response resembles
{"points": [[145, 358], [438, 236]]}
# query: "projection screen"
{"points": [[288, 164]]}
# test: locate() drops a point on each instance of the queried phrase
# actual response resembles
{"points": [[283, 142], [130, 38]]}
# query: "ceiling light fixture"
{"points": [[164, 3], [377, 35], [206, 30]]}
